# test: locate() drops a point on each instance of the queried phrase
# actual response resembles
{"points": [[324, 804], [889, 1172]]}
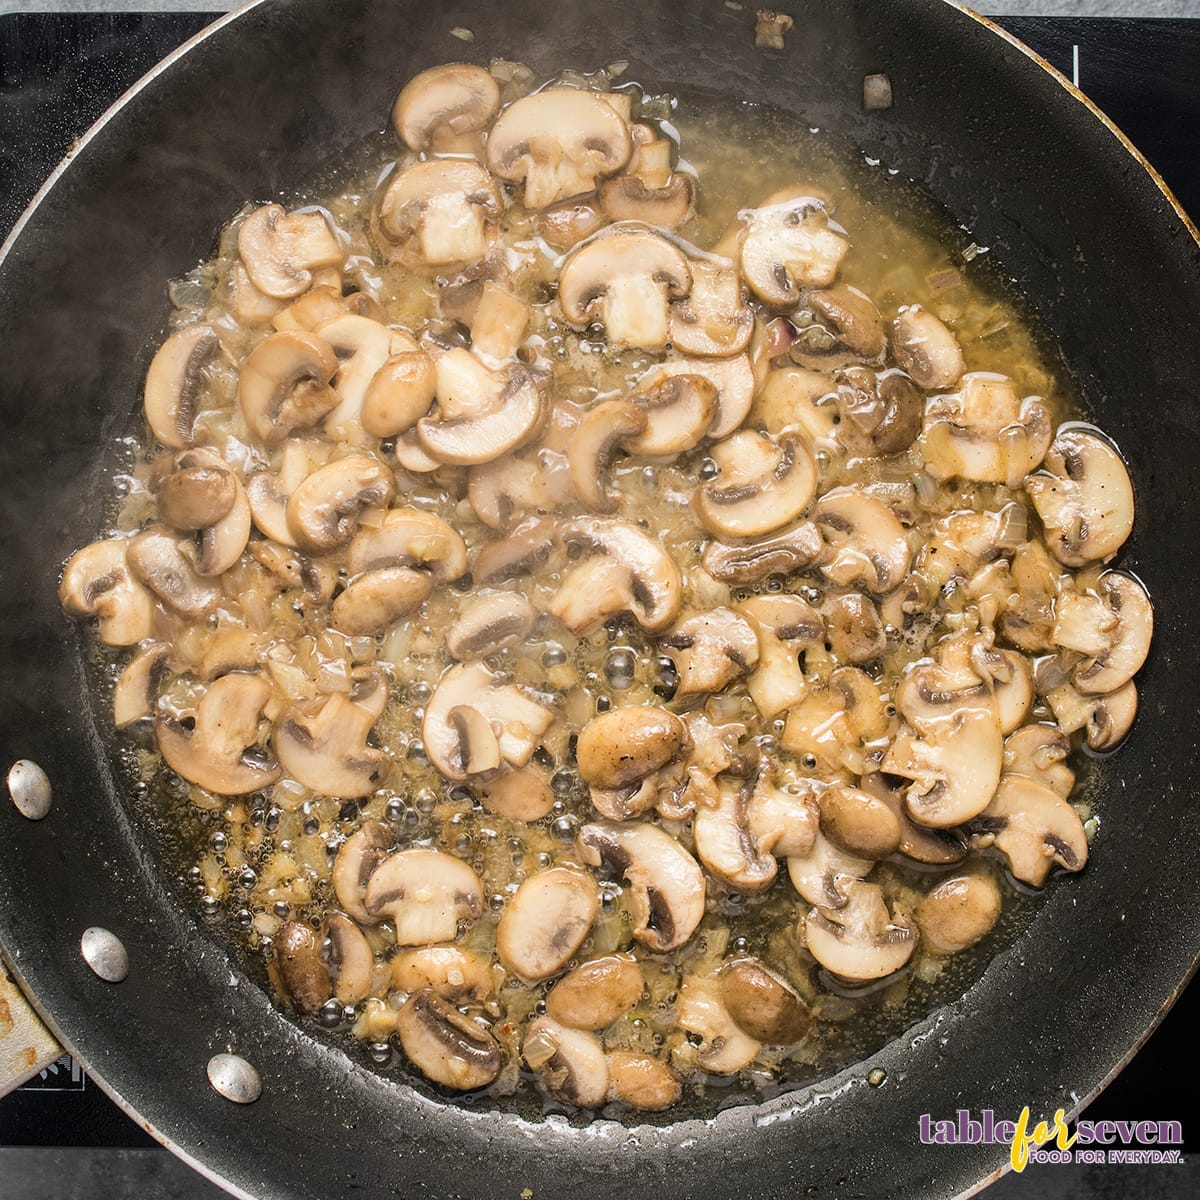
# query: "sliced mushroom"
{"points": [[881, 411], [625, 280], [532, 545], [825, 874], [284, 384], [281, 250], [1128, 642], [441, 104], [489, 623], [300, 970], [457, 975], [788, 246], [724, 843], [762, 484], [862, 940], [854, 630], [546, 922], [425, 894], [559, 142], [724, 1047], [440, 212], [733, 378], [190, 499], [627, 744], [786, 627], [781, 822], [593, 445], [642, 1081], [1040, 752], [1112, 718], [156, 560], [1084, 497], [763, 1005], [845, 327], [713, 320], [595, 994], [711, 650], [569, 223], [859, 823], [520, 794], [1034, 828], [175, 381], [445, 1045], [677, 411], [628, 198], [794, 397], [514, 720], [137, 690], [867, 544], [356, 859], [409, 537], [937, 847], [326, 750], [98, 582], [212, 746], [375, 601], [666, 886], [751, 562], [399, 394], [569, 1063], [926, 349], [958, 913], [534, 478], [623, 570], [324, 511], [349, 959]]}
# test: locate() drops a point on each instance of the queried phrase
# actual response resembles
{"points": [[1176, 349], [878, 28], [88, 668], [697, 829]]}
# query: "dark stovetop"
{"points": [[60, 1137]]}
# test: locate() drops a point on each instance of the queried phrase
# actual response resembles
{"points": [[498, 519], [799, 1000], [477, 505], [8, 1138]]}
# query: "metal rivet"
{"points": [[104, 953], [234, 1078], [29, 787]]}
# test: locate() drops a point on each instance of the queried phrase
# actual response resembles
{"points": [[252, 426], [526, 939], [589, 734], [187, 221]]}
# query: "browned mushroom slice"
{"points": [[97, 582], [843, 327], [825, 874], [457, 975], [881, 411], [854, 629], [958, 913], [624, 746], [409, 537], [191, 500], [488, 623], [531, 546], [546, 922], [324, 511], [349, 959], [399, 394], [1126, 644], [753, 561], [648, 190], [569, 1063], [1033, 828], [284, 384], [711, 650], [926, 349], [862, 940], [867, 544], [642, 1081], [297, 963], [356, 859], [594, 444], [281, 250], [724, 1046], [559, 142], [137, 690], [436, 107], [762, 485], [1084, 497], [724, 843], [567, 224], [445, 1045], [175, 382], [595, 994], [520, 794], [667, 890], [786, 627], [210, 746], [327, 750], [762, 1004], [425, 894], [713, 320], [155, 558], [790, 245], [859, 823], [376, 600]]}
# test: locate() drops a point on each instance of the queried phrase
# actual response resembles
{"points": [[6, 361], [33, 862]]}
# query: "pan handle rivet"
{"points": [[234, 1078], [29, 787], [105, 954]]}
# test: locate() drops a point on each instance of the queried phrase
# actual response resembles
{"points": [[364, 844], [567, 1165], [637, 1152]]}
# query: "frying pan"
{"points": [[252, 108]]}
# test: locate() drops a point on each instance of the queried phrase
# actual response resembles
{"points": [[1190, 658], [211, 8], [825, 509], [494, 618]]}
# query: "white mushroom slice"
{"points": [[786, 626], [546, 922], [175, 382], [625, 280], [636, 575], [789, 246], [732, 377], [678, 410], [764, 1005], [324, 511], [569, 223], [441, 212], [498, 324], [1107, 718], [569, 1063], [356, 859], [478, 746], [628, 198], [825, 874], [157, 562], [627, 744], [959, 912], [327, 750], [375, 601], [854, 629], [666, 886], [1128, 642], [762, 484], [445, 1045], [441, 104], [751, 562], [137, 690], [985, 432], [281, 250], [794, 397], [559, 142], [215, 545], [409, 537], [298, 968], [594, 444], [517, 722], [425, 894], [881, 411], [862, 940], [211, 748], [926, 349], [963, 540], [348, 958], [1034, 828], [1084, 497], [859, 823], [530, 547], [399, 394], [783, 823], [534, 478], [595, 994], [268, 493], [97, 582], [322, 303], [457, 975], [521, 794], [713, 320], [481, 414], [1040, 752], [724, 1047], [284, 384], [711, 650], [867, 544], [642, 1081], [489, 623], [724, 844]]}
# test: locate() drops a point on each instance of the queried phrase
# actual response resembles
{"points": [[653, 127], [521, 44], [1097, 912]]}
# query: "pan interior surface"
{"points": [[1080, 227]]}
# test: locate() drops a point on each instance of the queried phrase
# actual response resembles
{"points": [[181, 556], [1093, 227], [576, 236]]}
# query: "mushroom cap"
{"points": [[520, 794], [938, 847], [425, 894], [373, 602], [762, 1004], [958, 912], [596, 993], [175, 381], [849, 316], [409, 537], [197, 492], [399, 393], [1034, 828], [532, 478], [348, 958], [216, 544], [457, 975], [157, 561], [97, 582], [546, 922], [861, 941], [725, 1047], [298, 965], [569, 1063], [788, 246], [445, 1045], [677, 412], [455, 97], [867, 543], [356, 859], [642, 1081], [859, 823], [284, 384], [626, 744], [324, 511]]}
